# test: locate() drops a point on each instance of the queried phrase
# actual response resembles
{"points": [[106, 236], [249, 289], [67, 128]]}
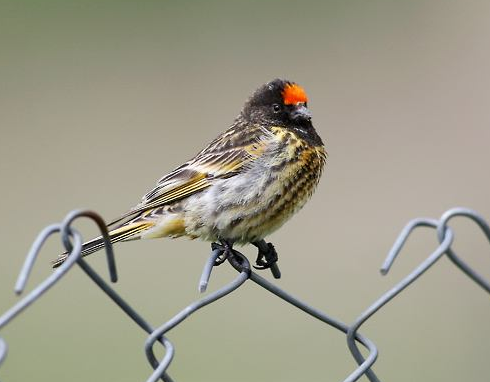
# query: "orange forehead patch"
{"points": [[293, 94]]}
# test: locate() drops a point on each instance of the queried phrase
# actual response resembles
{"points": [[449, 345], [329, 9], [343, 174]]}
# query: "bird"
{"points": [[240, 188]]}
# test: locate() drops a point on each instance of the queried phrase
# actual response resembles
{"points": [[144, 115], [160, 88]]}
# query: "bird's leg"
{"points": [[267, 258], [226, 248], [267, 255]]}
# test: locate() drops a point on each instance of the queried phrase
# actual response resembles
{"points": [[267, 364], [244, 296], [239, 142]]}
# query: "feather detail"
{"points": [[120, 234]]}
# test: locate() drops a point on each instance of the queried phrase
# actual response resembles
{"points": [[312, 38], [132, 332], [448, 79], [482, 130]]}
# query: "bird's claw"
{"points": [[225, 251], [266, 258]]}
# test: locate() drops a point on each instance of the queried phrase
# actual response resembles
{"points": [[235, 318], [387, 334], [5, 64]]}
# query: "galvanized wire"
{"points": [[3, 350], [72, 242], [37, 292], [445, 236], [478, 219], [388, 296], [187, 311]]}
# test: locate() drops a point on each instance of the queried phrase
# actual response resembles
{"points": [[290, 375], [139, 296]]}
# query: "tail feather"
{"points": [[125, 232]]}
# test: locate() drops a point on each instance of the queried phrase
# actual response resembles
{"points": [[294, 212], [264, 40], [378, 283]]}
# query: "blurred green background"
{"points": [[100, 98]]}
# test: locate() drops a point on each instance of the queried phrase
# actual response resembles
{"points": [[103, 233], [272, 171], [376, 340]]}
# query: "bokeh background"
{"points": [[99, 99]]}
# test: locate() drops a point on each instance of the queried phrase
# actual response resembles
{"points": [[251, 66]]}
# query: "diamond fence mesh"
{"points": [[72, 241]]}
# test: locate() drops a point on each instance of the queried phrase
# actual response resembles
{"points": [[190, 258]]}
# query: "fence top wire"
{"points": [[72, 242]]}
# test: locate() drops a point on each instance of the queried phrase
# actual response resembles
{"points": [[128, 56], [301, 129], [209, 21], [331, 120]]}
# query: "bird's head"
{"points": [[279, 102]]}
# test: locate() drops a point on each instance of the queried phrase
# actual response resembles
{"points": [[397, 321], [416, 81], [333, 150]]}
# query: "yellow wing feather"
{"points": [[221, 159]]}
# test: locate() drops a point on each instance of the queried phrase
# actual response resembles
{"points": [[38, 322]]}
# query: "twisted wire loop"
{"points": [[478, 219], [72, 242], [106, 288], [135, 316], [388, 296], [445, 237], [240, 263], [368, 344], [68, 233], [65, 236], [38, 291]]}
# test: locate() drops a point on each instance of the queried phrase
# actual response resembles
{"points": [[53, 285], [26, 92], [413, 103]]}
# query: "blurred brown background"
{"points": [[99, 99]]}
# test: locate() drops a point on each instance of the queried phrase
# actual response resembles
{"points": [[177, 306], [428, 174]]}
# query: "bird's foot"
{"points": [[226, 249], [267, 258]]}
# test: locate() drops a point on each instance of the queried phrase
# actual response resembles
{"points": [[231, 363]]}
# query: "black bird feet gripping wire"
{"points": [[241, 264], [225, 249], [267, 258]]}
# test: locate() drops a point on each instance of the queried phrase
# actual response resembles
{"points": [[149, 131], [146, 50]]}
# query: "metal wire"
{"points": [[373, 351], [3, 350], [37, 292], [187, 311], [72, 242], [388, 296], [450, 252], [445, 237]]}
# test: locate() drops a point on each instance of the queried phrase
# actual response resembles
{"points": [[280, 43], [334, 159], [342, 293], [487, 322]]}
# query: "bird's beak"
{"points": [[301, 112]]}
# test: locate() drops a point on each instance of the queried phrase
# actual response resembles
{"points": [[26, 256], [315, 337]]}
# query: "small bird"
{"points": [[243, 186]]}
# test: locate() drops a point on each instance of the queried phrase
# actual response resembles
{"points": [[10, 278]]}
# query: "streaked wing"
{"points": [[227, 156]]}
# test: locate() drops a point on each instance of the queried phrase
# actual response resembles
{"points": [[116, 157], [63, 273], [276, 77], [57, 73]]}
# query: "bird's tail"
{"points": [[125, 232]]}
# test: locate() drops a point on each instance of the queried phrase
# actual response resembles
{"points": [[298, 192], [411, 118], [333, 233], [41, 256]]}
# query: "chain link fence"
{"points": [[72, 241]]}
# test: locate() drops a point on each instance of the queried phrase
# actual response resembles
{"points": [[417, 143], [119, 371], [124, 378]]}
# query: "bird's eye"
{"points": [[276, 107]]}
